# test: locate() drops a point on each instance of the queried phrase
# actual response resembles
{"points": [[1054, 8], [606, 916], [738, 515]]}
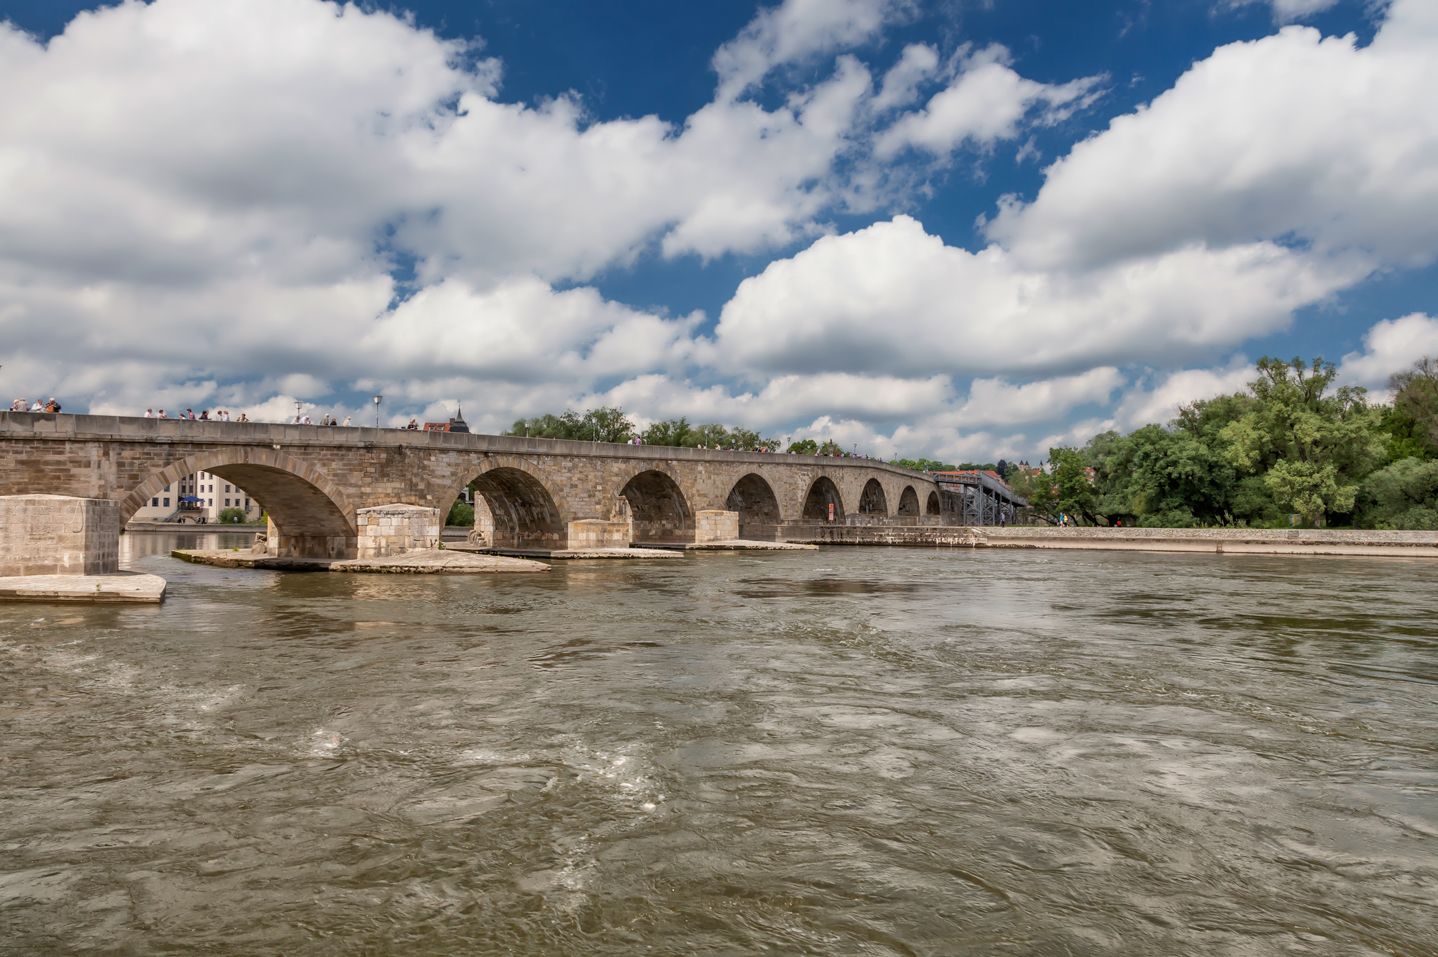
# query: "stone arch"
{"points": [[872, 500], [822, 494], [933, 505], [658, 509], [909, 501], [524, 512], [754, 499], [312, 517]]}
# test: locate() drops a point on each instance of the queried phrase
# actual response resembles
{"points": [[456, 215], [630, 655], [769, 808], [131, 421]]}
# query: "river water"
{"points": [[848, 751]]}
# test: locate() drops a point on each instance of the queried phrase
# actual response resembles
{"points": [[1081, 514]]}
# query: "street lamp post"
{"points": [[377, 400]]}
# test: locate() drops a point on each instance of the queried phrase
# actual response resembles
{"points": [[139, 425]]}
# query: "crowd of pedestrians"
{"points": [[20, 405], [221, 415]]}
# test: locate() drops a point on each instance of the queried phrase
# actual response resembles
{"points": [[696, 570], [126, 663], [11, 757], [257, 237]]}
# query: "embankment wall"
{"points": [[1235, 541]]}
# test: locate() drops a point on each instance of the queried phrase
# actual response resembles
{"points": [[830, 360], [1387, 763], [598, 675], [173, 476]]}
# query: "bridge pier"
{"points": [[280, 544], [58, 535], [385, 530], [715, 525], [598, 533]]}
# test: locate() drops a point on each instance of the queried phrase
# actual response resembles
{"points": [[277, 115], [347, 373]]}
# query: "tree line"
{"points": [[1292, 443], [610, 424]]}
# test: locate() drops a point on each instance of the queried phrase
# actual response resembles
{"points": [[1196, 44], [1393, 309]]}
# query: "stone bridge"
{"points": [[325, 486]]}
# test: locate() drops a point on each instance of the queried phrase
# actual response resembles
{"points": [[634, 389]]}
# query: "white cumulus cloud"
{"points": [[795, 31], [1294, 135], [985, 103], [892, 298], [1392, 345]]}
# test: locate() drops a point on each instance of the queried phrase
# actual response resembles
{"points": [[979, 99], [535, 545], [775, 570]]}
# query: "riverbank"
{"points": [[1222, 541]]}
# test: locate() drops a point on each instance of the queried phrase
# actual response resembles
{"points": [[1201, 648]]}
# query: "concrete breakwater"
{"points": [[1230, 541]]}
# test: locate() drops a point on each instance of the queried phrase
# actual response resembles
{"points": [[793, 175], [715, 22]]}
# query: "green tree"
{"points": [[1206, 419], [1037, 490], [1416, 393], [1160, 478], [1413, 421], [608, 424], [804, 447], [711, 435], [1311, 445], [830, 447], [549, 426], [1073, 493], [924, 465], [1403, 495], [233, 516], [675, 432], [1407, 437], [750, 441], [605, 424], [460, 513]]}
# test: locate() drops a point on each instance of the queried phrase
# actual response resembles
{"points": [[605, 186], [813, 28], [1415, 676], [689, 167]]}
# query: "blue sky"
{"points": [[957, 229]]}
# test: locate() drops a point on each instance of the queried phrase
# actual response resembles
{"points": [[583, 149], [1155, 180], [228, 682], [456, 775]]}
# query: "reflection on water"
{"points": [[138, 545], [850, 751]]}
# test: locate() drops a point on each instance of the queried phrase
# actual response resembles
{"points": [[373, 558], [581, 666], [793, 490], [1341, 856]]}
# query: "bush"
{"points": [[234, 516], [1172, 518], [460, 513]]}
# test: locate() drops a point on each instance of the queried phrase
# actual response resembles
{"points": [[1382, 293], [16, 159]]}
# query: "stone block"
{"points": [[58, 535], [715, 525], [596, 533], [385, 530]]}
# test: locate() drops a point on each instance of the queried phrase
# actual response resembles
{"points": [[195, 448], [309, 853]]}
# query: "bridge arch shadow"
{"points": [[909, 501], [872, 500], [312, 516], [933, 505], [658, 509], [822, 494], [524, 513], [758, 507]]}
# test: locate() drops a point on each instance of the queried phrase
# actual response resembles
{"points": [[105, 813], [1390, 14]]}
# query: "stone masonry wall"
{"points": [[58, 535], [716, 525], [386, 530], [596, 533]]}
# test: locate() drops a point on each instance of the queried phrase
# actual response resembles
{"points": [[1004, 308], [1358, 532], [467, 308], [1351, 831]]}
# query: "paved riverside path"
{"points": [[536, 493]]}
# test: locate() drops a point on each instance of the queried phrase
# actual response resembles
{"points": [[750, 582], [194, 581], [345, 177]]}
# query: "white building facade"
{"points": [[196, 498]]}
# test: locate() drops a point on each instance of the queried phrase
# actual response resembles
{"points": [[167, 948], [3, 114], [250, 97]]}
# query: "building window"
{"points": [[247, 505], [154, 503], [167, 503], [211, 502], [227, 503], [227, 488], [167, 488]]}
